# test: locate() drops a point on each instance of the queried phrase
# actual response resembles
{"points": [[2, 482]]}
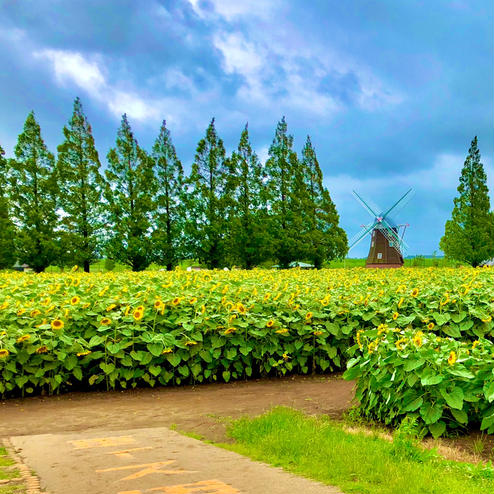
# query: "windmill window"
{"points": [[379, 255], [372, 244]]}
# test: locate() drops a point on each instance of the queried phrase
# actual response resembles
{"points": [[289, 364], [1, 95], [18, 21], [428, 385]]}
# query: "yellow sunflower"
{"points": [[106, 321], [57, 324], [415, 292], [83, 354], [23, 338], [138, 315], [308, 316], [270, 323], [75, 300], [452, 358], [430, 326], [176, 301], [42, 349], [4, 353], [395, 316]]}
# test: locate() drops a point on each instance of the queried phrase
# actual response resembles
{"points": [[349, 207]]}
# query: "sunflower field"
{"points": [[413, 339]]}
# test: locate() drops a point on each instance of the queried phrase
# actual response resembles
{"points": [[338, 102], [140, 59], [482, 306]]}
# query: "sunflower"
{"points": [[241, 308], [270, 323], [83, 354], [4, 353], [203, 309], [452, 358], [75, 300], [158, 304], [110, 307], [176, 301], [475, 344], [138, 315], [86, 306], [286, 356], [23, 338], [166, 350], [20, 312], [193, 300], [35, 313], [417, 339], [57, 324], [487, 319], [308, 316], [282, 331], [415, 292], [430, 326], [230, 330], [106, 321], [395, 316], [42, 349], [317, 333], [190, 343]]}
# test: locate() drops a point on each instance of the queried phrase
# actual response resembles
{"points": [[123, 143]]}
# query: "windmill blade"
{"points": [[365, 205], [401, 202], [360, 236], [394, 235]]}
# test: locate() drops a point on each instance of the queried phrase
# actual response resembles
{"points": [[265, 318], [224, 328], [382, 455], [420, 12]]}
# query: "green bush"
{"points": [[444, 384]]}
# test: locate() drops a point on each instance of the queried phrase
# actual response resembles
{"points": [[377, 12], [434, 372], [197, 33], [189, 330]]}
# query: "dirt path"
{"points": [[120, 442], [149, 460], [194, 409]]}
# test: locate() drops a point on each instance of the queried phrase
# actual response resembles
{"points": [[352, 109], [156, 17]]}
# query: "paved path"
{"points": [[150, 460]]}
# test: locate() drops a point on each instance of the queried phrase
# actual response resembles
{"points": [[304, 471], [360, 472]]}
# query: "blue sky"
{"points": [[391, 92]]}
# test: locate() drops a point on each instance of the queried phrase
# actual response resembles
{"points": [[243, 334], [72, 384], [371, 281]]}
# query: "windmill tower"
{"points": [[387, 245]]}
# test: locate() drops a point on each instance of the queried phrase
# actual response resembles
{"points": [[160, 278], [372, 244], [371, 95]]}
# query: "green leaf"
{"points": [[155, 348], [173, 358], [489, 391], [352, 373], [432, 380], [107, 368], [437, 429], [413, 405], [454, 399], [226, 375], [77, 372], [155, 370], [431, 413], [460, 415], [411, 365]]}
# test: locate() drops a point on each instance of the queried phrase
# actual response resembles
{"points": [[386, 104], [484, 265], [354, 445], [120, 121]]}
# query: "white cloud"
{"points": [[87, 74]]}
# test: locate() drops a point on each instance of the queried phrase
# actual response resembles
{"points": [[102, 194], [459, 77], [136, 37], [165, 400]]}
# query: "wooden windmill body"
{"points": [[387, 244]]}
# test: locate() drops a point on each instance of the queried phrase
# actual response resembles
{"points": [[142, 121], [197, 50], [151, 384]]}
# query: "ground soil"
{"points": [[203, 410]]}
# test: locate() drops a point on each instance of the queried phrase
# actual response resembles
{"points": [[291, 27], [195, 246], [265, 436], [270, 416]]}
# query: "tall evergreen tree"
{"points": [[34, 190], [469, 234], [247, 218], [129, 192], [7, 228], [80, 188], [325, 240], [169, 215], [284, 197], [206, 201]]}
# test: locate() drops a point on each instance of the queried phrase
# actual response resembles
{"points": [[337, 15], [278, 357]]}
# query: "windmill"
{"points": [[387, 244]]}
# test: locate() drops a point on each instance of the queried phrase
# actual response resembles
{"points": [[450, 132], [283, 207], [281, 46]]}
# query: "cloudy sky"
{"points": [[391, 92]]}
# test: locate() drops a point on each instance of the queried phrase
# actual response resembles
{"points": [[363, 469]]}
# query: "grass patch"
{"points": [[357, 463]]}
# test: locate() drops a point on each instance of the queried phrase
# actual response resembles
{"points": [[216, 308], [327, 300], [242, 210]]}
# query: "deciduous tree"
{"points": [[129, 192], [80, 188], [34, 191], [469, 234], [7, 229]]}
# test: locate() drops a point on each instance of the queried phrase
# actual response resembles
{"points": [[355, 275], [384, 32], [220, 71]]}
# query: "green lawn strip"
{"points": [[320, 449], [7, 473]]}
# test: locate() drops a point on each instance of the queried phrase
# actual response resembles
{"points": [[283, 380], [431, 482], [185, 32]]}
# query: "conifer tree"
{"points": [[325, 240], [129, 192], [34, 190], [469, 234], [7, 229], [284, 198], [80, 189], [247, 219], [169, 215], [206, 201]]}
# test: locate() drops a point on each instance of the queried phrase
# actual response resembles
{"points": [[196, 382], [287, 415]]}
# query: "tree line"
{"points": [[230, 210]]}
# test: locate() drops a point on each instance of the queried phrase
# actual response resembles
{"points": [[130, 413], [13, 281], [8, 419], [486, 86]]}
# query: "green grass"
{"points": [[357, 463]]}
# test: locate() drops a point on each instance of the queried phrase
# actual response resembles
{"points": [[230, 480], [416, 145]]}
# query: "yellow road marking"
{"points": [[126, 453], [102, 442], [147, 469]]}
